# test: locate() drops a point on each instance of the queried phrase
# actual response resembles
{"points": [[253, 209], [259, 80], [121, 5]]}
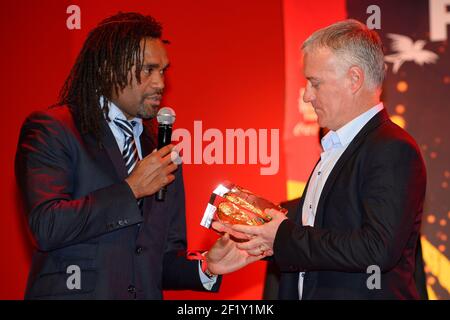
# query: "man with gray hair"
{"points": [[355, 231]]}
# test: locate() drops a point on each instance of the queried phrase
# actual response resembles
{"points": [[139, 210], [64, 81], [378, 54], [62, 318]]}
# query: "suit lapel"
{"points": [[113, 151], [373, 123], [147, 146], [109, 156]]}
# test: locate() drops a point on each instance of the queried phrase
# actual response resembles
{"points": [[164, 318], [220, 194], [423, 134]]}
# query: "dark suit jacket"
{"points": [[369, 213], [81, 212], [272, 279]]}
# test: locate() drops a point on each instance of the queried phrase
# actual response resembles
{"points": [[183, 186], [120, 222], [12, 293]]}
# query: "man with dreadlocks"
{"points": [[87, 174]]}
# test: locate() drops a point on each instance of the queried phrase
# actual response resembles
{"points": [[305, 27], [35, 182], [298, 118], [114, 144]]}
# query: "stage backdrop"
{"points": [[227, 72], [235, 65], [416, 95]]}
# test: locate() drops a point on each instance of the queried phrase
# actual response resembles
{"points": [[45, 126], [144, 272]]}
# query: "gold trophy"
{"points": [[232, 204]]}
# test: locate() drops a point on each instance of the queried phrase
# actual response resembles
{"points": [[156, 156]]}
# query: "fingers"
{"points": [[251, 259], [222, 227], [219, 227], [165, 150], [255, 247], [170, 152], [224, 240], [274, 213], [158, 168], [226, 237], [221, 248], [258, 252], [167, 180], [153, 172], [169, 158], [162, 164], [159, 178], [170, 168], [163, 155], [155, 161], [249, 245], [249, 230], [161, 175]]}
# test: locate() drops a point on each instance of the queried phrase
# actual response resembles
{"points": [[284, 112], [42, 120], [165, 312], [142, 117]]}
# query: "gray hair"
{"points": [[355, 44]]}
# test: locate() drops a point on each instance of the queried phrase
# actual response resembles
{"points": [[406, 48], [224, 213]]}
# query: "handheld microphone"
{"points": [[166, 118]]}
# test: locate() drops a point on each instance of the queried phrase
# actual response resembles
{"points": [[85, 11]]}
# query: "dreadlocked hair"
{"points": [[103, 65]]}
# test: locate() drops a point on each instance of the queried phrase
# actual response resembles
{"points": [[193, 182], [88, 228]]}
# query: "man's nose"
{"points": [[158, 81], [308, 95]]}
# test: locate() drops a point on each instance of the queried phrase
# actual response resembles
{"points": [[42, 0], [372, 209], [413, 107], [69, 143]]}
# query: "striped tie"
{"points": [[130, 152]]}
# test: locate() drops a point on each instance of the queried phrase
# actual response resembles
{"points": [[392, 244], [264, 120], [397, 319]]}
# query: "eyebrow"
{"points": [[155, 65]]}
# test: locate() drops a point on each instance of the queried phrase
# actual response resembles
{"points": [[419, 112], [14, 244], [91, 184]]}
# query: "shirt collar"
{"points": [[116, 113], [344, 135]]}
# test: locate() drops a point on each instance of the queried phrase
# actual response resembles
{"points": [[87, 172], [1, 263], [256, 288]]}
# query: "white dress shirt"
{"points": [[334, 144], [138, 128]]}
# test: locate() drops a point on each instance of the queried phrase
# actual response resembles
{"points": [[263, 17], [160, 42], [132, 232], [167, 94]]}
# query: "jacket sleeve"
{"points": [[391, 199], [45, 164], [178, 272]]}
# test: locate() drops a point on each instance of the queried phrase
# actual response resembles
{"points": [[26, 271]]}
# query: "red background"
{"points": [[227, 70], [235, 64]]}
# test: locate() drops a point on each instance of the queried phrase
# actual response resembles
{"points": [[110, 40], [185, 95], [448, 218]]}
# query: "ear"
{"points": [[356, 76]]}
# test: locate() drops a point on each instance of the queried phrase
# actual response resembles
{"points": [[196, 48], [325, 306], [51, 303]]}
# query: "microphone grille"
{"points": [[166, 115]]}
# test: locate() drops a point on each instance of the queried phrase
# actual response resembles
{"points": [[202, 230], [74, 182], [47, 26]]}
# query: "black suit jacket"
{"points": [[272, 279], [369, 213], [81, 212]]}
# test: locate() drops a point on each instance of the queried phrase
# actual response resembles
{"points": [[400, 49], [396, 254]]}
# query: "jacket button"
{"points": [[131, 289], [139, 250]]}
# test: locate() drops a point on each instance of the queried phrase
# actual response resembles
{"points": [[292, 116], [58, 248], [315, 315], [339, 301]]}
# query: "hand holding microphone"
{"points": [[154, 172]]}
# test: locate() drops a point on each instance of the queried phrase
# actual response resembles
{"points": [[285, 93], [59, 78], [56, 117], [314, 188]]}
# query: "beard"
{"points": [[147, 111]]}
